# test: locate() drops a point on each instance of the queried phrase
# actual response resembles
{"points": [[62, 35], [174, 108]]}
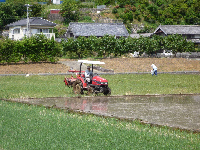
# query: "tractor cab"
{"points": [[96, 85]]}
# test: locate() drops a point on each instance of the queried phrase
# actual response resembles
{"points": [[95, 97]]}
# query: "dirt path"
{"points": [[118, 65]]}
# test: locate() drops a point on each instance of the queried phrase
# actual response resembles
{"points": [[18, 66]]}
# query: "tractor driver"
{"points": [[88, 74]]}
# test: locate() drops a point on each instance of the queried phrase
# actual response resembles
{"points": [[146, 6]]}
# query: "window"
{"points": [[16, 31], [43, 30], [197, 36], [190, 36], [34, 31]]}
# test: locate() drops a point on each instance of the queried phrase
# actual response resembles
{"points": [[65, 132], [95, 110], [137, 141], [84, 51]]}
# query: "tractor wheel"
{"points": [[90, 91], [107, 91], [78, 87]]}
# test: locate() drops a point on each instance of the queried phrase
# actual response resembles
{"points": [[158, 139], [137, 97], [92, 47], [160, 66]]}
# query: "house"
{"points": [[57, 2], [18, 29], [190, 32], [96, 29]]}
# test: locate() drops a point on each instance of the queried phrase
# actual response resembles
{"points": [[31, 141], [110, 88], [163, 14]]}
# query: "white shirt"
{"points": [[88, 73], [154, 67]]}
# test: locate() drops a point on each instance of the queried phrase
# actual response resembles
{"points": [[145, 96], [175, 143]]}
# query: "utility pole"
{"points": [[28, 24]]}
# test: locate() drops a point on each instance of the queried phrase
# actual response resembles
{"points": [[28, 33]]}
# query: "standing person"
{"points": [[154, 71], [88, 74]]}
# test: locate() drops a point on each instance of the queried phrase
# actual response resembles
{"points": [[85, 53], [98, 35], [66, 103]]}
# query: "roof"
{"points": [[179, 29], [36, 21], [140, 34], [97, 29]]}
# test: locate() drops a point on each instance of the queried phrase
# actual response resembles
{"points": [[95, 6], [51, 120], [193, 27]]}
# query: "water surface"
{"points": [[180, 111]]}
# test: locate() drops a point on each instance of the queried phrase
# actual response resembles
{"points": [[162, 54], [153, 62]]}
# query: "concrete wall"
{"points": [[53, 17], [178, 55]]}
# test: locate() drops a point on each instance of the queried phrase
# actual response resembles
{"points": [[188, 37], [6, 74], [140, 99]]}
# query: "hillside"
{"points": [[141, 13]]}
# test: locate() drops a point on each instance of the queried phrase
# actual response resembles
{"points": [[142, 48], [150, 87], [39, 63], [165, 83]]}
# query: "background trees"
{"points": [[35, 49], [70, 11], [7, 14], [109, 46], [39, 48], [11, 12], [155, 12], [151, 13]]}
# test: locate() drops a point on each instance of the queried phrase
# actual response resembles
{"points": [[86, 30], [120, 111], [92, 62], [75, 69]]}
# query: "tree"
{"points": [[9, 51], [7, 14], [70, 11], [36, 10], [19, 9], [176, 43]]}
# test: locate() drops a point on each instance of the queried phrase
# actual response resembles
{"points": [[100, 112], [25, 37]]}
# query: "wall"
{"points": [[53, 17]]}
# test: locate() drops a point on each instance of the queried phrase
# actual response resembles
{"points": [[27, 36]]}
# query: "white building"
{"points": [[18, 29], [56, 1]]}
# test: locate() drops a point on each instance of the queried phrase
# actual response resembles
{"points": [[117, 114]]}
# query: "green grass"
{"points": [[140, 84], [129, 84], [33, 127]]}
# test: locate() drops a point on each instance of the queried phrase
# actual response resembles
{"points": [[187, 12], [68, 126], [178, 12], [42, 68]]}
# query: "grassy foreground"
{"points": [[129, 84], [33, 127]]}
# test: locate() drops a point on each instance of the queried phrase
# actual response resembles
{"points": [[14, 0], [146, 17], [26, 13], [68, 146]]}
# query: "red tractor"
{"points": [[80, 84]]}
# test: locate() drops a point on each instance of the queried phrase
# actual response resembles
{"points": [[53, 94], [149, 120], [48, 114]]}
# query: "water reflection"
{"points": [[181, 111]]}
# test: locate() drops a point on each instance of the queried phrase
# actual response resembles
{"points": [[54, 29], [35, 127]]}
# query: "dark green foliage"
{"points": [[122, 3], [104, 2], [39, 48], [7, 14], [70, 11], [177, 43], [13, 11], [9, 51], [35, 49], [107, 46], [36, 10], [114, 11], [161, 11]]}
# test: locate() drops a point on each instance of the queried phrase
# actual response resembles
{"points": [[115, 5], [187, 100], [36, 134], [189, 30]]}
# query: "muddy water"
{"points": [[180, 111]]}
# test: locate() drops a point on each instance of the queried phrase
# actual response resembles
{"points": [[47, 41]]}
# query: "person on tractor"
{"points": [[88, 75]]}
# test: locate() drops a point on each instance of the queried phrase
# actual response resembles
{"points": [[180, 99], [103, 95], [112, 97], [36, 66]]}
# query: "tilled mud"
{"points": [[176, 111]]}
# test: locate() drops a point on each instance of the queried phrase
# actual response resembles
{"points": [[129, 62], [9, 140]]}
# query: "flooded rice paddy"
{"points": [[177, 111]]}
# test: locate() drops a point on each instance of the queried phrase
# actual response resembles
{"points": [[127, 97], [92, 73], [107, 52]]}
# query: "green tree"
{"points": [[107, 45], [40, 48], [193, 16], [70, 11], [120, 47], [19, 9], [104, 2], [9, 51], [7, 14], [122, 3], [36, 10], [176, 43]]}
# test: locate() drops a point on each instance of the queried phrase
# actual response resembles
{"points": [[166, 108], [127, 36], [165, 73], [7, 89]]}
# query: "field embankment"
{"points": [[115, 64]]}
